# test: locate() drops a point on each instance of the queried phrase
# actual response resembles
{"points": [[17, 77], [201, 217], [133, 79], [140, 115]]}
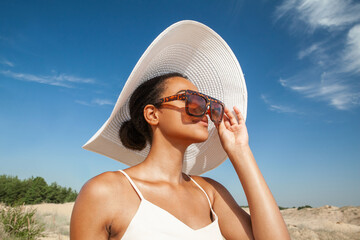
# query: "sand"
{"points": [[327, 222], [56, 218]]}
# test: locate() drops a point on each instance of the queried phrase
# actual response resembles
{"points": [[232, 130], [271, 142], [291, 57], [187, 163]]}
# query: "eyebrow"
{"points": [[183, 90]]}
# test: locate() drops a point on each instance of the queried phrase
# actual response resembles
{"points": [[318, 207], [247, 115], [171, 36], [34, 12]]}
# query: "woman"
{"points": [[154, 199]]}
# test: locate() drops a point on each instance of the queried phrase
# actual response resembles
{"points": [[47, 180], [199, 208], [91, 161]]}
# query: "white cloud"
{"points": [[336, 56], [352, 50], [95, 102], [284, 8], [283, 82], [306, 52], [335, 92], [7, 62], [62, 80], [82, 102], [328, 14], [277, 107], [68, 78], [102, 102]]}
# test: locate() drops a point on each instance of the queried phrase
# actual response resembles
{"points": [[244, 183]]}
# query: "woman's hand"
{"points": [[232, 132]]}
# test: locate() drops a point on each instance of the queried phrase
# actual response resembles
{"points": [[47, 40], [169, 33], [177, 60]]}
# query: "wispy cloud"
{"points": [[96, 102], [102, 102], [61, 80], [277, 107], [83, 102], [328, 14], [6, 62], [333, 75], [336, 93], [352, 50], [306, 52]]}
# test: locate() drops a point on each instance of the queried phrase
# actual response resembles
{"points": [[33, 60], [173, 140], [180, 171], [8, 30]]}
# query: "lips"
{"points": [[204, 121]]}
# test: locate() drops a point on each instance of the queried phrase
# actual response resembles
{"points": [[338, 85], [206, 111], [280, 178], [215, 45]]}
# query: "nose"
{"points": [[207, 113]]}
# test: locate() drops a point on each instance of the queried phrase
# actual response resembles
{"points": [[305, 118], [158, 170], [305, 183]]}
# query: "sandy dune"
{"points": [[327, 222]]}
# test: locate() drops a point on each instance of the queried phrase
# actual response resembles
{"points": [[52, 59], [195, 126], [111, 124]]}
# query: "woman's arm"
{"points": [[266, 219]]}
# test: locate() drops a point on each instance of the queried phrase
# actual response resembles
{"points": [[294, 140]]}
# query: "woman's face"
{"points": [[174, 122]]}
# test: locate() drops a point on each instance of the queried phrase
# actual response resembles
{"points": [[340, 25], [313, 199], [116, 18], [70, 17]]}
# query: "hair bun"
{"points": [[130, 137]]}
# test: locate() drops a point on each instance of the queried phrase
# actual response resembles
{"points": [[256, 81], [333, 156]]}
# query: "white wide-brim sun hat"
{"points": [[196, 51]]}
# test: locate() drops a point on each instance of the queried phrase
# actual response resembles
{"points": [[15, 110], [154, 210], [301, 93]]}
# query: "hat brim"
{"points": [[196, 51]]}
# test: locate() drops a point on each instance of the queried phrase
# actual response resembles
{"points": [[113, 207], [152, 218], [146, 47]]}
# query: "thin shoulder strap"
{"points": [[132, 184], [203, 191]]}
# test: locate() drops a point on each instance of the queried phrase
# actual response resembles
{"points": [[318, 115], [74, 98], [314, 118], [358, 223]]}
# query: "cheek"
{"points": [[176, 117], [182, 126], [173, 122]]}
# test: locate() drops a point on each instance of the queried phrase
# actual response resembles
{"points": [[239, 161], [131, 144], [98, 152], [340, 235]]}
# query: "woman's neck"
{"points": [[165, 160]]}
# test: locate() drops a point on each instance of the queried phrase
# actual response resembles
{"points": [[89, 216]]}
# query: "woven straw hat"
{"points": [[196, 51]]}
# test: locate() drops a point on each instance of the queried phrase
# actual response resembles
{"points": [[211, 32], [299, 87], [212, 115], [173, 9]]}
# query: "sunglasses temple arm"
{"points": [[180, 96]]}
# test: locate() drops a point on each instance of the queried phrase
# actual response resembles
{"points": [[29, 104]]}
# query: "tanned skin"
{"points": [[107, 203]]}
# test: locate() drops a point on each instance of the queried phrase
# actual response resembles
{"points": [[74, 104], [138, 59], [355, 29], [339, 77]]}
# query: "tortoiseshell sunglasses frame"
{"points": [[182, 96]]}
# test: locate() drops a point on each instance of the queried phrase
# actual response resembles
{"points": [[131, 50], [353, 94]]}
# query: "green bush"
{"points": [[283, 208], [302, 207], [14, 191], [19, 222]]}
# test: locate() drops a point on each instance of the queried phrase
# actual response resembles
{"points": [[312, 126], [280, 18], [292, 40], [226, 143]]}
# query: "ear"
{"points": [[151, 114]]}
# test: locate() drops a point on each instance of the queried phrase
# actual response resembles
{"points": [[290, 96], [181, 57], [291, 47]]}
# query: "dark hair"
{"points": [[135, 132]]}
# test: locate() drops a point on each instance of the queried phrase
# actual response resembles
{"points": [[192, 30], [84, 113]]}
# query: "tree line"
{"points": [[34, 190]]}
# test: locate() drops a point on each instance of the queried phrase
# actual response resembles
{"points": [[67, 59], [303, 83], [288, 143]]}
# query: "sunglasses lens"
{"points": [[217, 111], [196, 105]]}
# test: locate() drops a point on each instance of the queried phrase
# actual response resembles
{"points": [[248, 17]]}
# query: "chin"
{"points": [[200, 136], [199, 140]]}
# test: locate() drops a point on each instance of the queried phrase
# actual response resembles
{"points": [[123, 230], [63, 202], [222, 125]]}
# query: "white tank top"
{"points": [[153, 222]]}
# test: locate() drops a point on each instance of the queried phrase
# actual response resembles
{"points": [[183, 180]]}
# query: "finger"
{"points": [[220, 127], [226, 122], [223, 125], [231, 116], [238, 114]]}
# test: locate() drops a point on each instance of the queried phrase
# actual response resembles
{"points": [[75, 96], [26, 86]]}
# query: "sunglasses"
{"points": [[198, 104]]}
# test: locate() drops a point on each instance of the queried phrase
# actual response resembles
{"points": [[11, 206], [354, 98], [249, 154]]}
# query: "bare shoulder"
{"points": [[103, 195], [104, 183], [105, 188], [211, 186], [209, 183], [99, 206]]}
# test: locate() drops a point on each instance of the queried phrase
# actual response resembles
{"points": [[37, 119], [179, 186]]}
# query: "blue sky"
{"points": [[64, 63]]}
